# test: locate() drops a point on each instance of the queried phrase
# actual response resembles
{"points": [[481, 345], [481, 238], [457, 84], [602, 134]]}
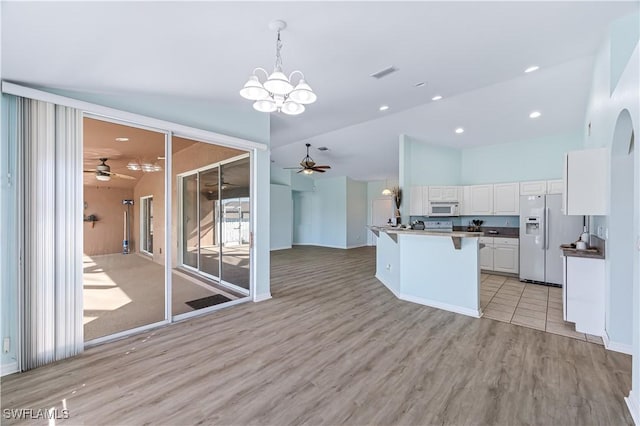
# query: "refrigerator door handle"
{"points": [[546, 228]]}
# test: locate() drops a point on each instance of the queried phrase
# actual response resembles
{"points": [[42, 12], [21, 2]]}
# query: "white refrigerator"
{"points": [[543, 228]]}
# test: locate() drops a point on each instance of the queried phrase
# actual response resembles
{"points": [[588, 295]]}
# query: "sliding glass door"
{"points": [[215, 209], [235, 207]]}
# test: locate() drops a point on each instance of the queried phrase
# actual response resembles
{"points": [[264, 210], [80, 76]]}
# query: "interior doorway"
{"points": [[124, 284], [621, 239]]}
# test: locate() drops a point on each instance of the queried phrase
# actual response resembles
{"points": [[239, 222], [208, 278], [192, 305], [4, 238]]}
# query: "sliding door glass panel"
{"points": [[235, 220], [197, 232], [209, 238], [190, 228]]}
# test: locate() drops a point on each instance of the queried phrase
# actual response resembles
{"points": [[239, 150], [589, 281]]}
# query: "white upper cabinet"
{"points": [[506, 199], [538, 187], [555, 186], [443, 193], [585, 182], [479, 200], [416, 201]]}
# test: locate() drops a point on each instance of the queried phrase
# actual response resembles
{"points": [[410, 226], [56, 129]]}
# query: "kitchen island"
{"points": [[438, 269]]}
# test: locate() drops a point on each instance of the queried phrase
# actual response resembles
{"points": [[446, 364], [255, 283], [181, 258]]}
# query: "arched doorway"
{"points": [[621, 236]]}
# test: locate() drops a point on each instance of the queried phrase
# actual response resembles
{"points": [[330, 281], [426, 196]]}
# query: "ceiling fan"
{"points": [[225, 184], [103, 172], [308, 166]]}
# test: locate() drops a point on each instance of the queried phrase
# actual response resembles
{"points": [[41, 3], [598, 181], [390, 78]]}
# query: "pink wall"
{"points": [[194, 157], [106, 235]]}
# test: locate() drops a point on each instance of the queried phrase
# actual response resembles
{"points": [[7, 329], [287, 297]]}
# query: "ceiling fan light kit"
{"points": [[145, 167], [277, 93], [308, 166]]}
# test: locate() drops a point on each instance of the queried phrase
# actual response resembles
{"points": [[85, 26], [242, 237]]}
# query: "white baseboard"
{"points": [[395, 293], [357, 245], [280, 248], [441, 305], [9, 368], [616, 346], [262, 297], [633, 404], [320, 245], [432, 303]]}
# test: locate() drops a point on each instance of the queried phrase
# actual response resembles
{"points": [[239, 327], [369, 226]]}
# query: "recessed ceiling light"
{"points": [[535, 114], [420, 84], [532, 68], [323, 148], [436, 98], [383, 107], [459, 130], [122, 139]]}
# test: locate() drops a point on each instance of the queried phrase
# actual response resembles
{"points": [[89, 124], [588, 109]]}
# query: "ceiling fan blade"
{"points": [[292, 168], [300, 171], [322, 167], [318, 170], [118, 175], [89, 171]]}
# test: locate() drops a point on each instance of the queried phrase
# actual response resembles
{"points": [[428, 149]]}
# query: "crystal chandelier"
{"points": [[277, 93]]}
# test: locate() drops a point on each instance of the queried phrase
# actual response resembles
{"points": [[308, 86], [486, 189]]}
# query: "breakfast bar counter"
{"points": [[438, 269]]}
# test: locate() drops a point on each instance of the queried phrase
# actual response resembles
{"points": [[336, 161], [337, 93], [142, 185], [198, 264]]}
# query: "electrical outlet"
{"points": [[506, 222], [388, 266], [6, 346]]}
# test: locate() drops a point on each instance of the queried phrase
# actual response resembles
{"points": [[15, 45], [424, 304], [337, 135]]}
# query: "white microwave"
{"points": [[443, 208]]}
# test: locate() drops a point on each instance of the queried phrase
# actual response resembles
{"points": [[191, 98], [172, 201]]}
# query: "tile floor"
{"points": [[530, 305]]}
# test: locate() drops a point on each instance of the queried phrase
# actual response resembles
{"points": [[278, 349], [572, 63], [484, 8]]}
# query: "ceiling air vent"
{"points": [[384, 72]]}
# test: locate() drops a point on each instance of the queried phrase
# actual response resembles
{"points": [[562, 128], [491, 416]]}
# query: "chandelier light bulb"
{"points": [[253, 89], [265, 105], [303, 94], [307, 171], [103, 177], [292, 108], [278, 84]]}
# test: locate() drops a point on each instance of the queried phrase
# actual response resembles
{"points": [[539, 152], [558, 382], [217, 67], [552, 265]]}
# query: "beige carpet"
{"points": [[122, 292]]}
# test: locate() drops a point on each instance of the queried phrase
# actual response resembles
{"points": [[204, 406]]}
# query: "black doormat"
{"points": [[216, 299]]}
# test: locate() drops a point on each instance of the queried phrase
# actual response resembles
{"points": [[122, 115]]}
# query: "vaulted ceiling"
{"points": [[471, 53]]}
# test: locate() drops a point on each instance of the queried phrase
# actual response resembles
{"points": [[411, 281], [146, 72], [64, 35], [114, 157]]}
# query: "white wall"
{"points": [[330, 212], [537, 159], [356, 213], [604, 107], [281, 219], [609, 97]]}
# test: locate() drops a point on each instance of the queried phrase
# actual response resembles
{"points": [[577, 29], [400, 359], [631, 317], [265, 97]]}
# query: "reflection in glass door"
{"points": [[190, 228], [216, 222], [209, 255], [236, 211]]}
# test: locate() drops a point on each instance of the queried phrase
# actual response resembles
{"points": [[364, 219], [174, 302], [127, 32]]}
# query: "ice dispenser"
{"points": [[532, 226]]}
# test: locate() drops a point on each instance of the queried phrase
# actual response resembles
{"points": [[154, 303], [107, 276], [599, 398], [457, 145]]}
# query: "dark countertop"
{"points": [[502, 232], [590, 253], [595, 251]]}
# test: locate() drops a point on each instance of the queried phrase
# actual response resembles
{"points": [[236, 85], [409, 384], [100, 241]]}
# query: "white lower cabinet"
{"points": [[486, 254], [583, 294], [500, 254]]}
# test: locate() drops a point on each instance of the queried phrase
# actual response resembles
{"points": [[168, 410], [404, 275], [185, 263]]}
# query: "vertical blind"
{"points": [[50, 141]]}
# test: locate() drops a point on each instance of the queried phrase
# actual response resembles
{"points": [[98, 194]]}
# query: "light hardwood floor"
{"points": [[334, 347]]}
